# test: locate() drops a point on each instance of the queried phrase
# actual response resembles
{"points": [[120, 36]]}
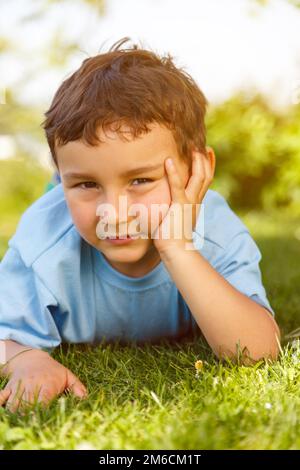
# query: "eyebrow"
{"points": [[134, 171]]}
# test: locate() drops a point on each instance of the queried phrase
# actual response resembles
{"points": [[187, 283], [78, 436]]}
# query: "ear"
{"points": [[210, 155]]}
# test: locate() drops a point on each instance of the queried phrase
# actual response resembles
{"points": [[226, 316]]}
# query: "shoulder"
{"points": [[42, 225], [218, 229], [217, 224]]}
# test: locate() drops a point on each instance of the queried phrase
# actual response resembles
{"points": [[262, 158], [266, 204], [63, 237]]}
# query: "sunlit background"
{"points": [[244, 54]]}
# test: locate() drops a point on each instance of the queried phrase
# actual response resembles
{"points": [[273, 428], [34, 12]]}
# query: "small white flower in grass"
{"points": [[268, 406], [85, 445], [295, 344], [215, 381], [295, 358]]}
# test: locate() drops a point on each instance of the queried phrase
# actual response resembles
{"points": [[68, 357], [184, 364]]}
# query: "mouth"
{"points": [[119, 241], [120, 237]]}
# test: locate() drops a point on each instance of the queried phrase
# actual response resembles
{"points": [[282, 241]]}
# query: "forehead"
{"points": [[119, 152]]}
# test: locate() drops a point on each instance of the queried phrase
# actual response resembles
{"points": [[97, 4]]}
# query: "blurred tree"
{"points": [[15, 117], [22, 178], [258, 152]]}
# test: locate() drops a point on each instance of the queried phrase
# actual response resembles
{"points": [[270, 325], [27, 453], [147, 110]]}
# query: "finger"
{"points": [[75, 385], [15, 397], [46, 396], [197, 178], [176, 184], [208, 177], [4, 395], [31, 395]]}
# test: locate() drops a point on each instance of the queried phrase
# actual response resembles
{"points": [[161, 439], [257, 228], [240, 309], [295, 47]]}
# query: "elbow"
{"points": [[273, 343], [270, 347], [266, 348], [249, 357], [270, 352]]}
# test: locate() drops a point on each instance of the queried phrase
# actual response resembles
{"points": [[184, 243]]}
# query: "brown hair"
{"points": [[129, 86]]}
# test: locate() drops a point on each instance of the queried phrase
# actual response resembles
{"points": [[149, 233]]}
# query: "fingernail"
{"points": [[83, 392]]}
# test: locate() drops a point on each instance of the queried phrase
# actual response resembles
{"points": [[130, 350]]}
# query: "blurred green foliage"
{"points": [[258, 153], [22, 181]]}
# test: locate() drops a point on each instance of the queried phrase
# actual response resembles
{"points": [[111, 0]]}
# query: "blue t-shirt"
{"points": [[56, 288]]}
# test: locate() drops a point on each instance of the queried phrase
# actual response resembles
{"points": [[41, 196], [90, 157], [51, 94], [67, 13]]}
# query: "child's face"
{"points": [[104, 167]]}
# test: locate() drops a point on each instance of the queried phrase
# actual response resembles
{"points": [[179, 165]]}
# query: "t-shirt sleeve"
{"points": [[238, 263], [26, 305]]}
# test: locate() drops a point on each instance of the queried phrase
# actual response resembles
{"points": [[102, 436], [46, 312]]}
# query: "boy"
{"points": [[78, 272]]}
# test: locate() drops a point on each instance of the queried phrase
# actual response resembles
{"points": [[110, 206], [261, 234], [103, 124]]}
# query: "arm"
{"points": [[226, 317]]}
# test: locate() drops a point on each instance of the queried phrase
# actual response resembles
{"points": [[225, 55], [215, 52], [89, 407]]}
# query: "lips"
{"points": [[121, 237]]}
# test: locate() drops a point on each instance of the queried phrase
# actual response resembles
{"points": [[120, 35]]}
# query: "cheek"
{"points": [[82, 215], [160, 196]]}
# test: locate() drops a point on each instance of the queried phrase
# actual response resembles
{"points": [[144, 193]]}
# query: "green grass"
{"points": [[148, 397]]}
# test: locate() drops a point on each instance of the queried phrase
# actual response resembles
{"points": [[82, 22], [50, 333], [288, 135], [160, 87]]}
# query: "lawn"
{"points": [[149, 397]]}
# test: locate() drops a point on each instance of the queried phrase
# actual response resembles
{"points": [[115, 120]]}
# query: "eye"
{"points": [[145, 180], [89, 185]]}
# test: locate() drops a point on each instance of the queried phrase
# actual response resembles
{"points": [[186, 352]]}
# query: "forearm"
{"points": [[226, 317]]}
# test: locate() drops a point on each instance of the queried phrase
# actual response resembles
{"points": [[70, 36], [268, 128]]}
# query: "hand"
{"points": [[35, 376], [186, 201]]}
